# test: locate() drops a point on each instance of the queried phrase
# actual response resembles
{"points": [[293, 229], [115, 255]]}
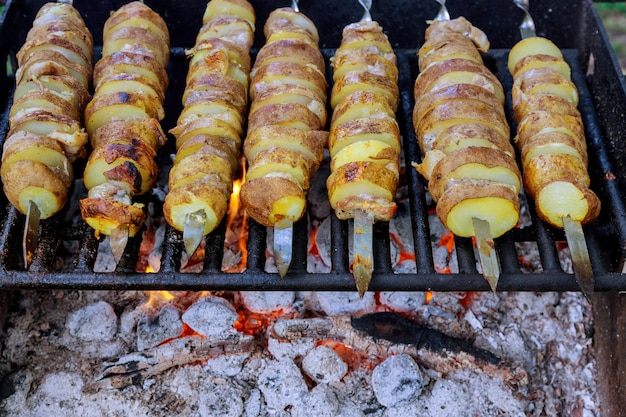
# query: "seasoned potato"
{"points": [[147, 130], [384, 130], [277, 73], [532, 46], [463, 135], [269, 197], [544, 81], [105, 215], [191, 197], [559, 199], [284, 114], [452, 46]]}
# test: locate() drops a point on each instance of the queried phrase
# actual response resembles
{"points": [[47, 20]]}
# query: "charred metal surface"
{"points": [[573, 26]]}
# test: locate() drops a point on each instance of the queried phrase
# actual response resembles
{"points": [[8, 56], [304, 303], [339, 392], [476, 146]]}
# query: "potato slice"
{"points": [[43, 100], [309, 144], [146, 130], [444, 95], [214, 109], [239, 8], [202, 165], [474, 164], [191, 197], [363, 185], [283, 72], [128, 162], [106, 108], [288, 93], [452, 46], [284, 114], [292, 50], [543, 81], [68, 30], [559, 199], [285, 22], [355, 82], [60, 44], [443, 29], [553, 143], [547, 168], [281, 161], [463, 135], [137, 39], [383, 130], [497, 204], [129, 62], [50, 62], [27, 146], [361, 104], [136, 14], [456, 71], [28, 180], [207, 126], [537, 61], [104, 215], [209, 144], [545, 102], [367, 151], [542, 121], [363, 60], [364, 35], [267, 197], [227, 28], [64, 87], [130, 83], [532, 46]]}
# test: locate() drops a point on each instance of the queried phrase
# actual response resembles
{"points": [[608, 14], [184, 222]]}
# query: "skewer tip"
{"points": [[487, 252], [118, 241], [31, 233], [283, 239], [193, 231]]}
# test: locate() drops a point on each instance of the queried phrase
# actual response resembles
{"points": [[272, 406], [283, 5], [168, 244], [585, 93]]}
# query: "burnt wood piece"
{"points": [[437, 350], [609, 340]]}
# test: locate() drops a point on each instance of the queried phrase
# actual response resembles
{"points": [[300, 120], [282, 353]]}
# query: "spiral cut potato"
{"points": [[463, 133], [364, 139], [285, 142], [209, 129], [46, 134], [550, 133], [122, 119]]}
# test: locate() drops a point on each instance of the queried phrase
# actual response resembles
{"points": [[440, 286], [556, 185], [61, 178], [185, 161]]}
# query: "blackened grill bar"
{"points": [[600, 95]]}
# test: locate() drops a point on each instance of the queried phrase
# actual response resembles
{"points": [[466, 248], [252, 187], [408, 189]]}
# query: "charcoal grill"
{"points": [[573, 25]]}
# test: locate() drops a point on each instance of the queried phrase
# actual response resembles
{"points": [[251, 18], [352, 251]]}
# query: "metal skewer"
{"points": [[363, 233], [118, 241], [31, 233], [283, 244], [193, 231], [487, 254], [573, 229]]}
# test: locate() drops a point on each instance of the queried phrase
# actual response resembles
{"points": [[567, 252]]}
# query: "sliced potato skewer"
{"points": [[465, 139], [285, 142], [364, 140], [122, 120], [551, 139], [46, 134], [209, 129]]}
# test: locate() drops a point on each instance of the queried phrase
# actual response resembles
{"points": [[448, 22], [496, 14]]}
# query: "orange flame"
{"points": [[237, 223], [157, 298]]}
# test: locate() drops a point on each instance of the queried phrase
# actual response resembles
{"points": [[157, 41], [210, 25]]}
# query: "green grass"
{"points": [[611, 7]]}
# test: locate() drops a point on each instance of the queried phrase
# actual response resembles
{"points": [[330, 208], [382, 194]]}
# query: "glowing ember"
{"points": [[428, 296], [447, 241], [353, 358], [404, 254], [253, 324], [158, 298]]}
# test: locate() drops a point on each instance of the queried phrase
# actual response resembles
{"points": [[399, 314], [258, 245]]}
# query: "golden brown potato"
{"points": [[207, 126], [128, 62], [199, 166], [138, 39], [43, 100], [289, 93], [136, 14], [231, 29], [191, 197], [546, 168], [361, 104], [539, 121], [463, 135], [559, 199], [532, 46], [474, 163], [288, 114], [269, 197], [354, 82], [543, 81], [277, 161], [497, 204], [293, 50], [286, 21], [443, 28], [214, 108], [361, 60], [383, 130], [553, 142], [455, 71], [547, 103], [131, 83], [444, 95], [365, 35], [104, 215], [128, 162], [239, 8], [285, 72], [309, 144], [453, 45], [30, 180], [65, 87], [209, 144], [147, 130], [363, 185], [50, 62], [60, 42], [120, 106], [537, 61]]}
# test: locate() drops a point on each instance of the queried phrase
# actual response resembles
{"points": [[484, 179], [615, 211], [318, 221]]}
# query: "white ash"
{"points": [[321, 401], [403, 302], [94, 322], [44, 368], [282, 385], [324, 366], [345, 302], [266, 301], [152, 330], [211, 316], [397, 380]]}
